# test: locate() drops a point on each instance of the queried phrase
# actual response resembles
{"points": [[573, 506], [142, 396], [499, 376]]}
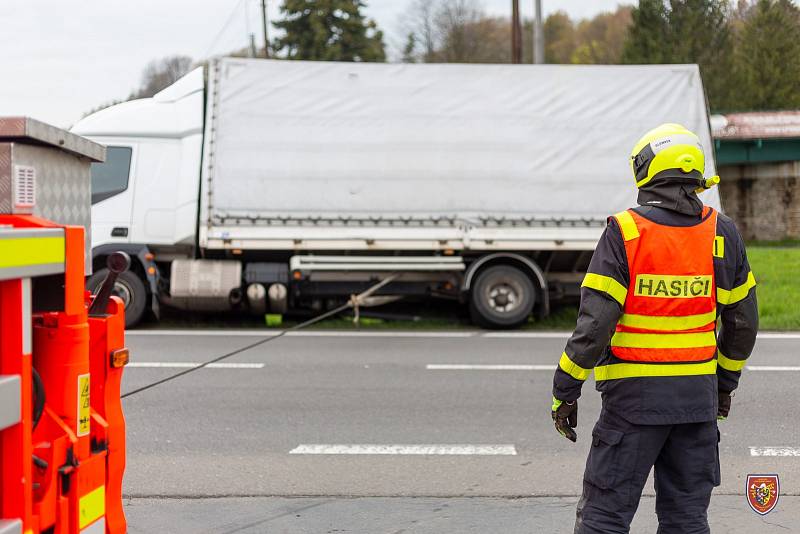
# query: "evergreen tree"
{"points": [[685, 31], [767, 57], [410, 49], [648, 34], [328, 30]]}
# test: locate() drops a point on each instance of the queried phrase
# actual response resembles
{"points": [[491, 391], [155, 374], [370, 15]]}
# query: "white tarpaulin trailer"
{"points": [[263, 185], [318, 151]]}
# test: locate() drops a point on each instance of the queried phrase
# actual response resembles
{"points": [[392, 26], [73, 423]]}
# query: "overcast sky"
{"points": [[61, 58]]}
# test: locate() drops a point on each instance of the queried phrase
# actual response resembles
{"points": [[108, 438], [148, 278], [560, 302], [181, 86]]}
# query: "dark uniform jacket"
{"points": [[662, 400]]}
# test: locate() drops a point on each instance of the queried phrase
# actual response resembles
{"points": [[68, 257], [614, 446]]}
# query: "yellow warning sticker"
{"points": [[83, 405]]}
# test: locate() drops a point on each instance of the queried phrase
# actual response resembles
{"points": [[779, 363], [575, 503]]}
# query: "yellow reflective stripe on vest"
{"points": [[729, 364], [607, 285], [627, 225], [737, 293], [573, 369], [663, 341], [616, 371], [719, 247], [653, 322]]}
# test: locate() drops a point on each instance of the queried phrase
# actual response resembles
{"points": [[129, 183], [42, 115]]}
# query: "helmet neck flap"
{"points": [[672, 195]]}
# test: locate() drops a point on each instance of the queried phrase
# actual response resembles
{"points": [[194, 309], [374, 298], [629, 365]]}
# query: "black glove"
{"points": [[565, 417], [724, 405]]}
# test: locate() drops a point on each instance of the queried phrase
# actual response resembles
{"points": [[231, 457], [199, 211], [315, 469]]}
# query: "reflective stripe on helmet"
{"points": [[616, 371], [668, 147]]}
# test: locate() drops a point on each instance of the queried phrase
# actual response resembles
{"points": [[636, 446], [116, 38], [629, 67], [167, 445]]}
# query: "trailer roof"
{"points": [[297, 140]]}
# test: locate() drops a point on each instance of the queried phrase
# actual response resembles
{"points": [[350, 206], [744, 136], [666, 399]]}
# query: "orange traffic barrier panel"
{"points": [[62, 354]]}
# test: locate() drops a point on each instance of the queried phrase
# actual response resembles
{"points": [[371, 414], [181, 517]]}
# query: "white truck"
{"points": [[278, 186]]}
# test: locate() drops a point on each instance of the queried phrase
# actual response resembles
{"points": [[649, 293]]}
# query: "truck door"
{"points": [[112, 195]]}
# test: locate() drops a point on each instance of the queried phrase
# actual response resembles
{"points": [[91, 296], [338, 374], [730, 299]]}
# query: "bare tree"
{"points": [[454, 31], [161, 73], [419, 22], [457, 23], [600, 40], [461, 31]]}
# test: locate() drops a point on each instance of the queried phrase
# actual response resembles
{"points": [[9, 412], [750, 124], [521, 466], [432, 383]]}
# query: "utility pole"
{"points": [[264, 27], [538, 34], [516, 33]]}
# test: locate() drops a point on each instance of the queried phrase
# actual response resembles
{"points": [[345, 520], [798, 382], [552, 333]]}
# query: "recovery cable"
{"points": [[354, 302]]}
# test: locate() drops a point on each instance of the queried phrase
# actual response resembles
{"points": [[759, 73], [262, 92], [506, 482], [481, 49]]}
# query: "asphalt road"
{"points": [[229, 449]]}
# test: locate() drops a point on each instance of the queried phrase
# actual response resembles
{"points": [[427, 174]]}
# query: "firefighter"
{"points": [[663, 275]]}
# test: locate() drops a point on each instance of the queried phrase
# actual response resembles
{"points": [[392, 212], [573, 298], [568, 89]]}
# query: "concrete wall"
{"points": [[763, 199]]}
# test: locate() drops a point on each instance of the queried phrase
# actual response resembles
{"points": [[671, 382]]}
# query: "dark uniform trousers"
{"points": [[686, 461]]}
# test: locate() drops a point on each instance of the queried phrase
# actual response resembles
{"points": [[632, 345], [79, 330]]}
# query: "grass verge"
{"points": [[777, 272]]}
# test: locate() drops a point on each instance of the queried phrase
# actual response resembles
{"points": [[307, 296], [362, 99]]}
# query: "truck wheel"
{"points": [[502, 297], [129, 288]]}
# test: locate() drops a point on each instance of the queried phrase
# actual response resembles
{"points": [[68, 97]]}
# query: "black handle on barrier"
{"points": [[117, 262]]}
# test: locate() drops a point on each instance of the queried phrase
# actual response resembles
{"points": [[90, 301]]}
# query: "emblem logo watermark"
{"points": [[763, 492]]}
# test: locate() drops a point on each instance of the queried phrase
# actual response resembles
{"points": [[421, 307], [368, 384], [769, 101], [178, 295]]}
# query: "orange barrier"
{"points": [[62, 473]]}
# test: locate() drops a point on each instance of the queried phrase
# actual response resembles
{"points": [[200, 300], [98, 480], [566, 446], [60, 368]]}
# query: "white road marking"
{"points": [[387, 333], [774, 451], [442, 450], [529, 367], [345, 333], [204, 333], [490, 367], [541, 335], [299, 333], [778, 335], [187, 365]]}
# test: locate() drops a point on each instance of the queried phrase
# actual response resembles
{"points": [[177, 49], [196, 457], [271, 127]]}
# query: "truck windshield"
{"points": [[111, 177]]}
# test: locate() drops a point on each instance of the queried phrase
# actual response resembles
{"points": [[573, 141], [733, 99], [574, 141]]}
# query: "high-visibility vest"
{"points": [[670, 311]]}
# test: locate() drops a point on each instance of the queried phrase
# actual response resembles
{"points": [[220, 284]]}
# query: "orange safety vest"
{"points": [[670, 310]]}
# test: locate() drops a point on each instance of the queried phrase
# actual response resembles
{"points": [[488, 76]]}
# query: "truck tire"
{"points": [[502, 296], [129, 288]]}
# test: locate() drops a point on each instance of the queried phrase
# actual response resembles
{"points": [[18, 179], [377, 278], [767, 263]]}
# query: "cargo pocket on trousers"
{"points": [[603, 467]]}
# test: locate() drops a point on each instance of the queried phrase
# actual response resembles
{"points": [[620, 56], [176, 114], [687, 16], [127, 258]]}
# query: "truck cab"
{"points": [[145, 195]]}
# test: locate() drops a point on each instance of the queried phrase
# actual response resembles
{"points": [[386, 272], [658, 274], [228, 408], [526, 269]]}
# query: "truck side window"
{"points": [[111, 177]]}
